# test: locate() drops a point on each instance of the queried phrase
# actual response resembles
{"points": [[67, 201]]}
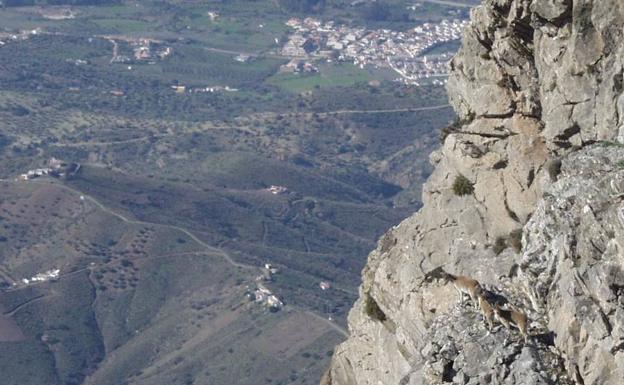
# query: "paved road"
{"points": [[125, 219], [181, 229], [333, 325], [339, 112], [242, 128], [342, 112], [21, 305], [250, 54]]}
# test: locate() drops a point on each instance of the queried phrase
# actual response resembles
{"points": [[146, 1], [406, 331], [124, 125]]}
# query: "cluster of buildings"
{"points": [[56, 168], [141, 49], [210, 89], [263, 296], [401, 51], [50, 275], [213, 15], [267, 273], [299, 66], [413, 71], [243, 58], [277, 190], [6, 37], [324, 285]]}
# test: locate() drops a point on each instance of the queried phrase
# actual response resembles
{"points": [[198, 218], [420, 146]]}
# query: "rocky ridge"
{"points": [[538, 90]]}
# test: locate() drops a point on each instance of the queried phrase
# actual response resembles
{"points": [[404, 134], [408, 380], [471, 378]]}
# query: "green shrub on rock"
{"points": [[373, 310], [462, 186]]}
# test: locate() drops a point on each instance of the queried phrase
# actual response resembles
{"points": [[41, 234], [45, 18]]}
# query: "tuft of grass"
{"points": [[499, 245], [373, 310], [620, 163], [611, 143], [462, 186]]}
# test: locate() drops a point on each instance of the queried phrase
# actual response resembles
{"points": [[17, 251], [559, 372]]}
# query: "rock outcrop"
{"points": [[538, 90]]}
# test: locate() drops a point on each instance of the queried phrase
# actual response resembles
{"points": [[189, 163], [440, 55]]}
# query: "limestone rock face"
{"points": [[538, 89], [573, 263]]}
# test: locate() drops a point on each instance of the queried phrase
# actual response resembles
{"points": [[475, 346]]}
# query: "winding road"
{"points": [[248, 130], [205, 245]]}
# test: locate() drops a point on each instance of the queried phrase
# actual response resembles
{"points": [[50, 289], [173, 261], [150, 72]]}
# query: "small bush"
{"points": [[462, 186], [373, 310], [620, 163], [515, 240], [499, 245]]}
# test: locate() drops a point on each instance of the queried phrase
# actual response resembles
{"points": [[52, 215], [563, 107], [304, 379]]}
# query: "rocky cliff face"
{"points": [[538, 88]]}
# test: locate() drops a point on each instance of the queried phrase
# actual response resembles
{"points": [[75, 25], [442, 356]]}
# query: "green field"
{"points": [[328, 76], [123, 25]]}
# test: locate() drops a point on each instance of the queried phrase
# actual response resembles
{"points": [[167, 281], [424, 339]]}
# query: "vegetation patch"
{"points": [[329, 76], [499, 245], [462, 185], [611, 143], [372, 309]]}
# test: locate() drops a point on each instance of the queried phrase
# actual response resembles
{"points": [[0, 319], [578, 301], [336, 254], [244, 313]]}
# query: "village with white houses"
{"points": [[50, 275], [141, 48], [403, 52], [9, 284], [7, 37], [56, 168], [261, 294]]}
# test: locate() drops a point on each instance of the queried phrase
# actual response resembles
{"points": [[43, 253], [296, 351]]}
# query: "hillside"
{"points": [[217, 187], [135, 301], [526, 198]]}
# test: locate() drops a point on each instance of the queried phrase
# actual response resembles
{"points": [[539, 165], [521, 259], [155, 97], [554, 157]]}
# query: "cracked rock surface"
{"points": [[538, 89]]}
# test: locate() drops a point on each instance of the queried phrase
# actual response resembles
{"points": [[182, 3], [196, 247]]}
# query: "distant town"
{"points": [[403, 52]]}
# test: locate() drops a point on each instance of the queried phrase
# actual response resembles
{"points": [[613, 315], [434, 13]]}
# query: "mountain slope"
{"points": [[135, 301], [536, 84]]}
